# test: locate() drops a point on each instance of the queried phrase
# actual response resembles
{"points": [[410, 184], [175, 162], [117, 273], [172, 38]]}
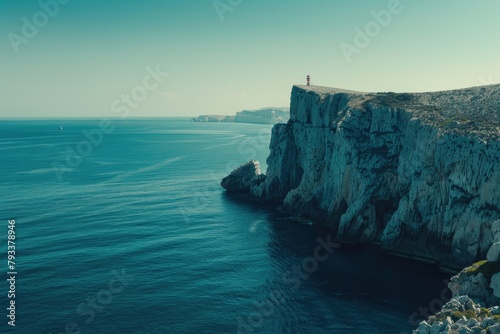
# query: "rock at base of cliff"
{"points": [[243, 177], [495, 284], [477, 283], [495, 229], [494, 252]]}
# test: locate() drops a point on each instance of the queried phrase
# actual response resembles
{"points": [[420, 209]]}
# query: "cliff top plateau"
{"points": [[474, 110]]}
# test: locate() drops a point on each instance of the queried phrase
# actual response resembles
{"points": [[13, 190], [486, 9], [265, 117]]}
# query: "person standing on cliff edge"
{"points": [[308, 80]]}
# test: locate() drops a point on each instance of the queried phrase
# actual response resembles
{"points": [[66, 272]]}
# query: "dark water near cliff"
{"points": [[145, 206]]}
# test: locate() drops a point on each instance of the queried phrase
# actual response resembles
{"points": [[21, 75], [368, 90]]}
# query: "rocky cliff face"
{"points": [[418, 173]]}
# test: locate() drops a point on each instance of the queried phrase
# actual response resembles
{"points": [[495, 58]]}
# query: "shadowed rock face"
{"points": [[243, 177], [418, 173]]}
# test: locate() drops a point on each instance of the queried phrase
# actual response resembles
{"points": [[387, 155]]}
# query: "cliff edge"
{"points": [[416, 172]]}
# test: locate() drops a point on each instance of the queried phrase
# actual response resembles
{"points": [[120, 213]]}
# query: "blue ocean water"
{"points": [[130, 232]]}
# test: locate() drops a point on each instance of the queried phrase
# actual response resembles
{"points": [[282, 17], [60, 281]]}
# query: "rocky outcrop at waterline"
{"points": [[243, 178], [418, 173]]}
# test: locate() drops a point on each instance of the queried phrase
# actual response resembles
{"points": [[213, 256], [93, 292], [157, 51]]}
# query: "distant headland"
{"points": [[267, 115]]}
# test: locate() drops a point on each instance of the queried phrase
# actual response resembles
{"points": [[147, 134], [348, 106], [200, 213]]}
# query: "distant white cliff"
{"points": [[261, 116], [417, 173]]}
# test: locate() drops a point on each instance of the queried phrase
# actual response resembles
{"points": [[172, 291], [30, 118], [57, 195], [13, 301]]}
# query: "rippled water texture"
{"points": [[138, 237]]}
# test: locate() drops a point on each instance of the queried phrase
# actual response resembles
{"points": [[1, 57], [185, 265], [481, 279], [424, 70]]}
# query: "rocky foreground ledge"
{"points": [[473, 307]]}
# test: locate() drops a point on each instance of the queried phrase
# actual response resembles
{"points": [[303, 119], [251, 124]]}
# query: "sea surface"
{"points": [[123, 228]]}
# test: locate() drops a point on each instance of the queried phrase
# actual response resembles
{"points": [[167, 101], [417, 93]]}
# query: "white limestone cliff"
{"points": [[418, 173]]}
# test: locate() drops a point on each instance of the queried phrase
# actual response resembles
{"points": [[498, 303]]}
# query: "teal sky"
{"points": [[91, 53]]}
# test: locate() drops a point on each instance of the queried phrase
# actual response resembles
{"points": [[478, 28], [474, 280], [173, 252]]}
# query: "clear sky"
{"points": [[87, 55]]}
